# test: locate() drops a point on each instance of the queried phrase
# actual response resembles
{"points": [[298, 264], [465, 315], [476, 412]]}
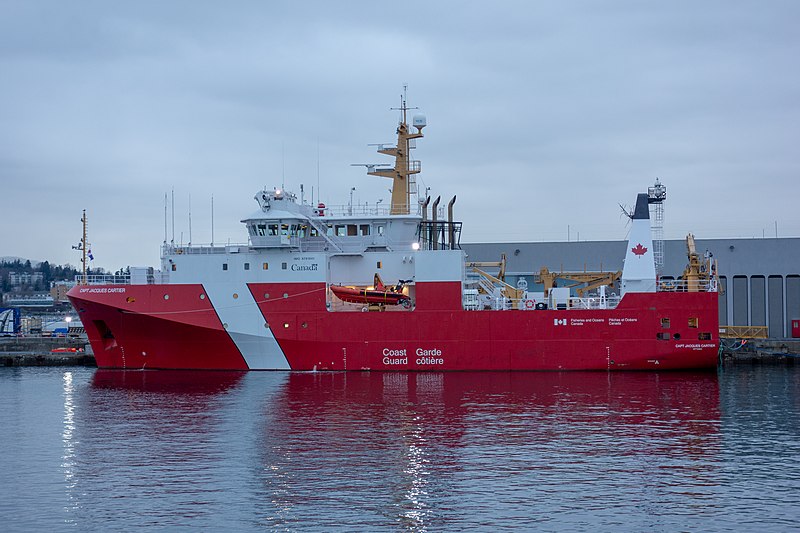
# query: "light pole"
{"points": [[350, 208]]}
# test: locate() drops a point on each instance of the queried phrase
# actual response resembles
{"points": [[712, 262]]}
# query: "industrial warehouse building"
{"points": [[760, 278]]}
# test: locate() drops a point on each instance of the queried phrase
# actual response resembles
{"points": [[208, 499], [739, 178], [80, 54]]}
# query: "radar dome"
{"points": [[419, 122]]}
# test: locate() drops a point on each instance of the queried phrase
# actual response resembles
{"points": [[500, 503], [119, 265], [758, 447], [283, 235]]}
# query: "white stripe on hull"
{"points": [[245, 326]]}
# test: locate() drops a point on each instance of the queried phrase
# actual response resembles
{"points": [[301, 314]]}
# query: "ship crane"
{"points": [[701, 272], [592, 280]]}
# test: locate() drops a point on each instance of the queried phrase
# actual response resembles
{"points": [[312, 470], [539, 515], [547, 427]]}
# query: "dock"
{"points": [[45, 351]]}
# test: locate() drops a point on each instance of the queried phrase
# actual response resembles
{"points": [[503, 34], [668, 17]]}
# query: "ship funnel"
{"points": [[639, 272]]}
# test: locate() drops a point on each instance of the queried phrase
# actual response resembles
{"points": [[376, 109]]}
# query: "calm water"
{"points": [[89, 450]]}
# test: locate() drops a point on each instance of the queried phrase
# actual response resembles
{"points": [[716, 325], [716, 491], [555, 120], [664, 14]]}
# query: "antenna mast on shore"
{"points": [[655, 199]]}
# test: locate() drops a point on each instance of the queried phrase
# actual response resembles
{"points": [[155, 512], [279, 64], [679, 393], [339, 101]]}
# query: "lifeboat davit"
{"points": [[379, 295]]}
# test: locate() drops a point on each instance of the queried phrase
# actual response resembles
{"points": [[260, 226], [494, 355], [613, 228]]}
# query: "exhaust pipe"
{"points": [[434, 216], [451, 232], [425, 231]]}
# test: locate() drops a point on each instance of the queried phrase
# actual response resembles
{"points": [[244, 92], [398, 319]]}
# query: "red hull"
{"points": [[139, 328]]}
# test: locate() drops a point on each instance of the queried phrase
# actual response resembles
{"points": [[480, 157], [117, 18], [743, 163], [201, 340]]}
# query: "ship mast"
{"points": [[83, 246], [405, 169]]}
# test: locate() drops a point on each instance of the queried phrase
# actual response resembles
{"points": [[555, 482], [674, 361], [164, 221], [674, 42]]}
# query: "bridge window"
{"points": [[314, 232], [364, 229], [352, 230], [341, 231], [380, 230], [273, 230], [261, 230], [284, 229]]}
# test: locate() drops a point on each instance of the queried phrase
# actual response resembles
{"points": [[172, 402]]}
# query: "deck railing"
{"points": [[686, 285]]}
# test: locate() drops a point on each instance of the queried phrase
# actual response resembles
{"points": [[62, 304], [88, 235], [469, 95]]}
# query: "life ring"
{"points": [[530, 304]]}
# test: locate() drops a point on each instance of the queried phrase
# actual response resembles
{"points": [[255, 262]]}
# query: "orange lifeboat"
{"points": [[379, 295]]}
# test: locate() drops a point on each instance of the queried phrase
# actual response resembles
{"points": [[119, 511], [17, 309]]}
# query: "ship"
{"points": [[374, 287]]}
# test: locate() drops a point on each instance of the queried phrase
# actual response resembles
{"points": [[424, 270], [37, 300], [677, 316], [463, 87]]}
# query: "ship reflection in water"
{"points": [[378, 451], [475, 449]]}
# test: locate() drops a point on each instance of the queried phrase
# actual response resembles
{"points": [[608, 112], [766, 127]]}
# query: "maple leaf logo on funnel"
{"points": [[639, 249]]}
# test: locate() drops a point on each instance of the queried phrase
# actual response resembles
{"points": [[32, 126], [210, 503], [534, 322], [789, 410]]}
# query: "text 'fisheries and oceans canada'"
{"points": [[423, 356]]}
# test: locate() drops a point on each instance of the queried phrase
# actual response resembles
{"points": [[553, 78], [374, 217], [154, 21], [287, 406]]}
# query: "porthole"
{"points": [[305, 324], [202, 296], [235, 295], [266, 296], [286, 325], [166, 296], [266, 325], [225, 325], [285, 294]]}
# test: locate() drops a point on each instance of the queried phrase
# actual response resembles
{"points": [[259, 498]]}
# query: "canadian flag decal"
{"points": [[639, 249], [559, 321]]}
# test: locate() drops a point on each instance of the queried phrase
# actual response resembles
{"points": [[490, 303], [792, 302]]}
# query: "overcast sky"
{"points": [[541, 116]]}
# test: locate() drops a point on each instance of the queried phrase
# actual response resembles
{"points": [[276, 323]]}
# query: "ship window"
{"points": [[261, 230], [340, 231], [352, 230], [247, 266], [663, 336], [677, 336], [174, 267], [264, 266], [252, 229], [380, 230], [284, 229], [379, 264], [665, 323], [693, 322], [314, 232], [273, 230], [302, 231], [705, 336], [364, 229], [224, 266], [283, 266], [330, 229]]}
